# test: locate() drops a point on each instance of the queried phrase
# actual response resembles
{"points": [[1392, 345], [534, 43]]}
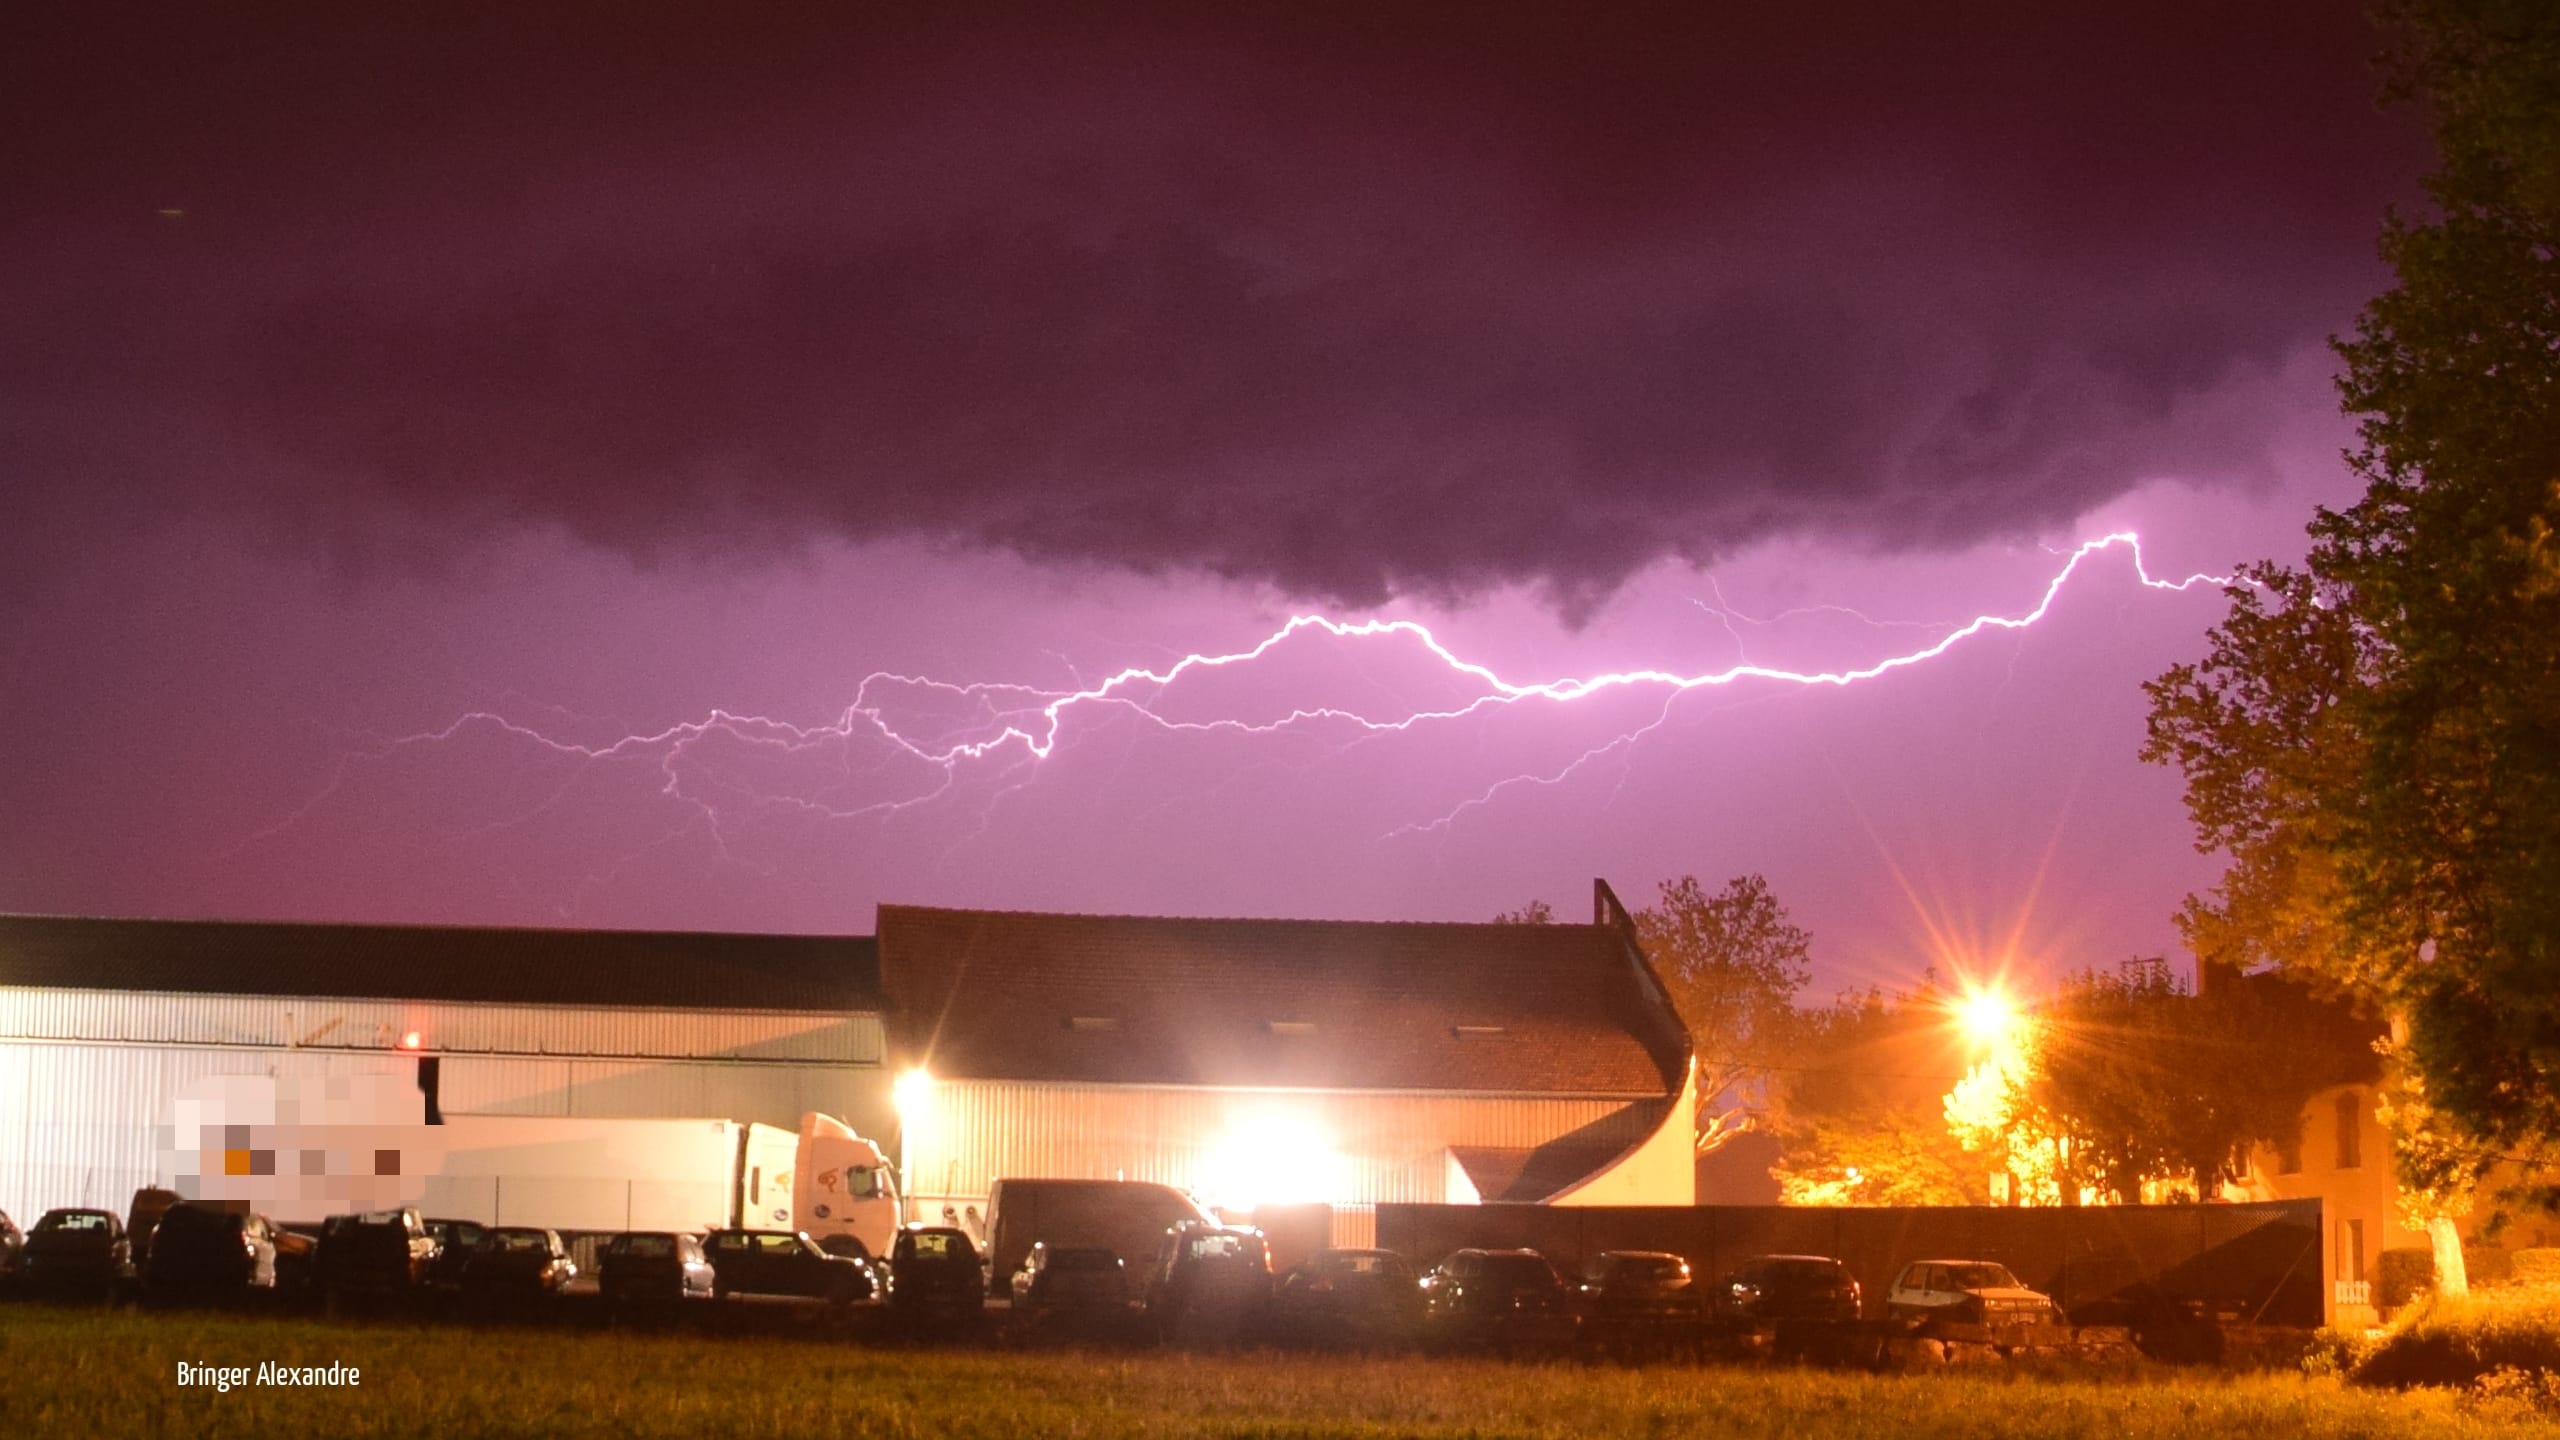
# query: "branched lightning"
{"points": [[1014, 728]]}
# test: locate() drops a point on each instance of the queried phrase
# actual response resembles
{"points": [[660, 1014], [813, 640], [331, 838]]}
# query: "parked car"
{"points": [[1639, 1297], [1125, 1217], [141, 1217], [783, 1263], [13, 1252], [934, 1276], [516, 1261], [1771, 1288], [1971, 1292], [1208, 1282], [207, 1250], [1506, 1298], [382, 1252], [76, 1251], [456, 1242], [1363, 1298], [1073, 1289], [655, 1266]]}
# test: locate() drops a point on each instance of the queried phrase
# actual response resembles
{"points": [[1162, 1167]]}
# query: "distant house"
{"points": [[2341, 1155], [1256, 1061]]}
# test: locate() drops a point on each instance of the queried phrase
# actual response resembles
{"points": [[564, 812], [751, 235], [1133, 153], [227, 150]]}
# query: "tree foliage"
{"points": [[2150, 1080], [2375, 737], [1859, 1109], [1732, 962]]}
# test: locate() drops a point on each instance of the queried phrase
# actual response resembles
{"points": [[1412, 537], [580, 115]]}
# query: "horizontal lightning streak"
{"points": [[1031, 722]]}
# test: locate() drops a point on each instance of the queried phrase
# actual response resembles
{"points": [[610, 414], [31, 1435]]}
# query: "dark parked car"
{"points": [[934, 1276], [13, 1251], [78, 1252], [783, 1263], [1366, 1298], [1640, 1297], [518, 1260], [654, 1266], [141, 1217], [384, 1252], [456, 1242], [1072, 1288], [1773, 1288], [1208, 1282], [1510, 1299], [207, 1250]]}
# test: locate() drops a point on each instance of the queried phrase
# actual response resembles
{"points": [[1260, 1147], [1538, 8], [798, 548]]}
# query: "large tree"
{"points": [[2150, 1079], [1859, 1107], [1733, 963], [2375, 737]]}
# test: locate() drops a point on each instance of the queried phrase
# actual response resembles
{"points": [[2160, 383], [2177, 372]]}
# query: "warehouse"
{"points": [[1284, 1061], [104, 1022], [1249, 1061]]}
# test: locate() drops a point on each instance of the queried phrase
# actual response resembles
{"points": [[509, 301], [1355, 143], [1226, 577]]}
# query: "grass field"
{"points": [[66, 1372]]}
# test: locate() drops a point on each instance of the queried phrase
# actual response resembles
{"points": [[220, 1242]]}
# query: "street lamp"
{"points": [[1987, 1015]]}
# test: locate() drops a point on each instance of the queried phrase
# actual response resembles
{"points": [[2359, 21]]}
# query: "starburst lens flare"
{"points": [[1988, 1016]]}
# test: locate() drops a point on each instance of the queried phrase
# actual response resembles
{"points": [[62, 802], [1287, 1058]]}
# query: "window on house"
{"points": [[2289, 1150], [2351, 1130], [2351, 1251]]}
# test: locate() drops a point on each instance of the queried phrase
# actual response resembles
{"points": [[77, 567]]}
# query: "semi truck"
{"points": [[300, 1152]]}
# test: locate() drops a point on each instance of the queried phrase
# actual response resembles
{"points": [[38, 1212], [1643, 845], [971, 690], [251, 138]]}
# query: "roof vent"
{"points": [[1475, 1032], [1093, 1022], [1290, 1027]]}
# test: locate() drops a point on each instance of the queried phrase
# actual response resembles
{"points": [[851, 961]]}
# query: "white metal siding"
{"points": [[1387, 1146], [81, 1119], [448, 1027]]}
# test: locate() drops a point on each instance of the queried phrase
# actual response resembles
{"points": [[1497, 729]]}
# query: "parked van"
{"points": [[1126, 1217]]}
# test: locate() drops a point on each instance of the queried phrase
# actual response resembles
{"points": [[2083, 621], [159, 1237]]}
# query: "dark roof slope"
{"points": [[435, 962], [1550, 1009]]}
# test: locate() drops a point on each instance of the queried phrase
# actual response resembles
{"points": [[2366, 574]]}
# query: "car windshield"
{"points": [[519, 1240], [1646, 1269], [1519, 1269], [73, 1220], [1981, 1276], [1357, 1262], [1223, 1247], [937, 1245], [1802, 1272], [652, 1247]]}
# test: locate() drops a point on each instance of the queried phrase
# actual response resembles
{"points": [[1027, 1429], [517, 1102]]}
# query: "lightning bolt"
{"points": [[1015, 728]]}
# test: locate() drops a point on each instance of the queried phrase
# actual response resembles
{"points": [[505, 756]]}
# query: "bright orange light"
{"points": [[410, 1041], [1987, 1015], [909, 1094]]}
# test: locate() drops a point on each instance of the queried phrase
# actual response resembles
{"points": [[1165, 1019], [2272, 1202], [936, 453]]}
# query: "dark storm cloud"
{"points": [[1347, 304]]}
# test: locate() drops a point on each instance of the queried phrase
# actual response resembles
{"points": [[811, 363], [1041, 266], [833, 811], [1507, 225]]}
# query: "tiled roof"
{"points": [[453, 963], [1541, 1009]]}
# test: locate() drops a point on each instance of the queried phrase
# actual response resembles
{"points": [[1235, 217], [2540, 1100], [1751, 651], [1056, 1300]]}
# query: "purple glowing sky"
{"points": [[358, 380]]}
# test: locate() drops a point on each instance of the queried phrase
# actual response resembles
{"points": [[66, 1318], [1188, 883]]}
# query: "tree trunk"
{"points": [[2453, 1281]]}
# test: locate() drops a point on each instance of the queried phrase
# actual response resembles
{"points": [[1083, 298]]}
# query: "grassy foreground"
{"points": [[88, 1373], [2514, 1332]]}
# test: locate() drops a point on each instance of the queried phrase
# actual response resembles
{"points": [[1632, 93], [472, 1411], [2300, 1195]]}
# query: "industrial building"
{"points": [[1250, 1061]]}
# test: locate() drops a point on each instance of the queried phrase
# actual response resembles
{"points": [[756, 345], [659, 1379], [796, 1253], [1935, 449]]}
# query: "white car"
{"points": [[1970, 1292]]}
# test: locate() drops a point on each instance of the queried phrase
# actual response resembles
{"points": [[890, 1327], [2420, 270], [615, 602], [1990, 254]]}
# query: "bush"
{"points": [[2456, 1342], [2488, 1264], [2539, 1266], [2404, 1274]]}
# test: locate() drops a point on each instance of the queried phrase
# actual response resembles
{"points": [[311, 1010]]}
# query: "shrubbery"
{"points": [[2458, 1342]]}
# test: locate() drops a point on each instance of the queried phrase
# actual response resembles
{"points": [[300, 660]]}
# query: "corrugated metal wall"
{"points": [[86, 1075], [1368, 1147], [450, 1028]]}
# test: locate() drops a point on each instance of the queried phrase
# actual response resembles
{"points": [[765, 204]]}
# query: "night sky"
{"points": [[608, 394]]}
